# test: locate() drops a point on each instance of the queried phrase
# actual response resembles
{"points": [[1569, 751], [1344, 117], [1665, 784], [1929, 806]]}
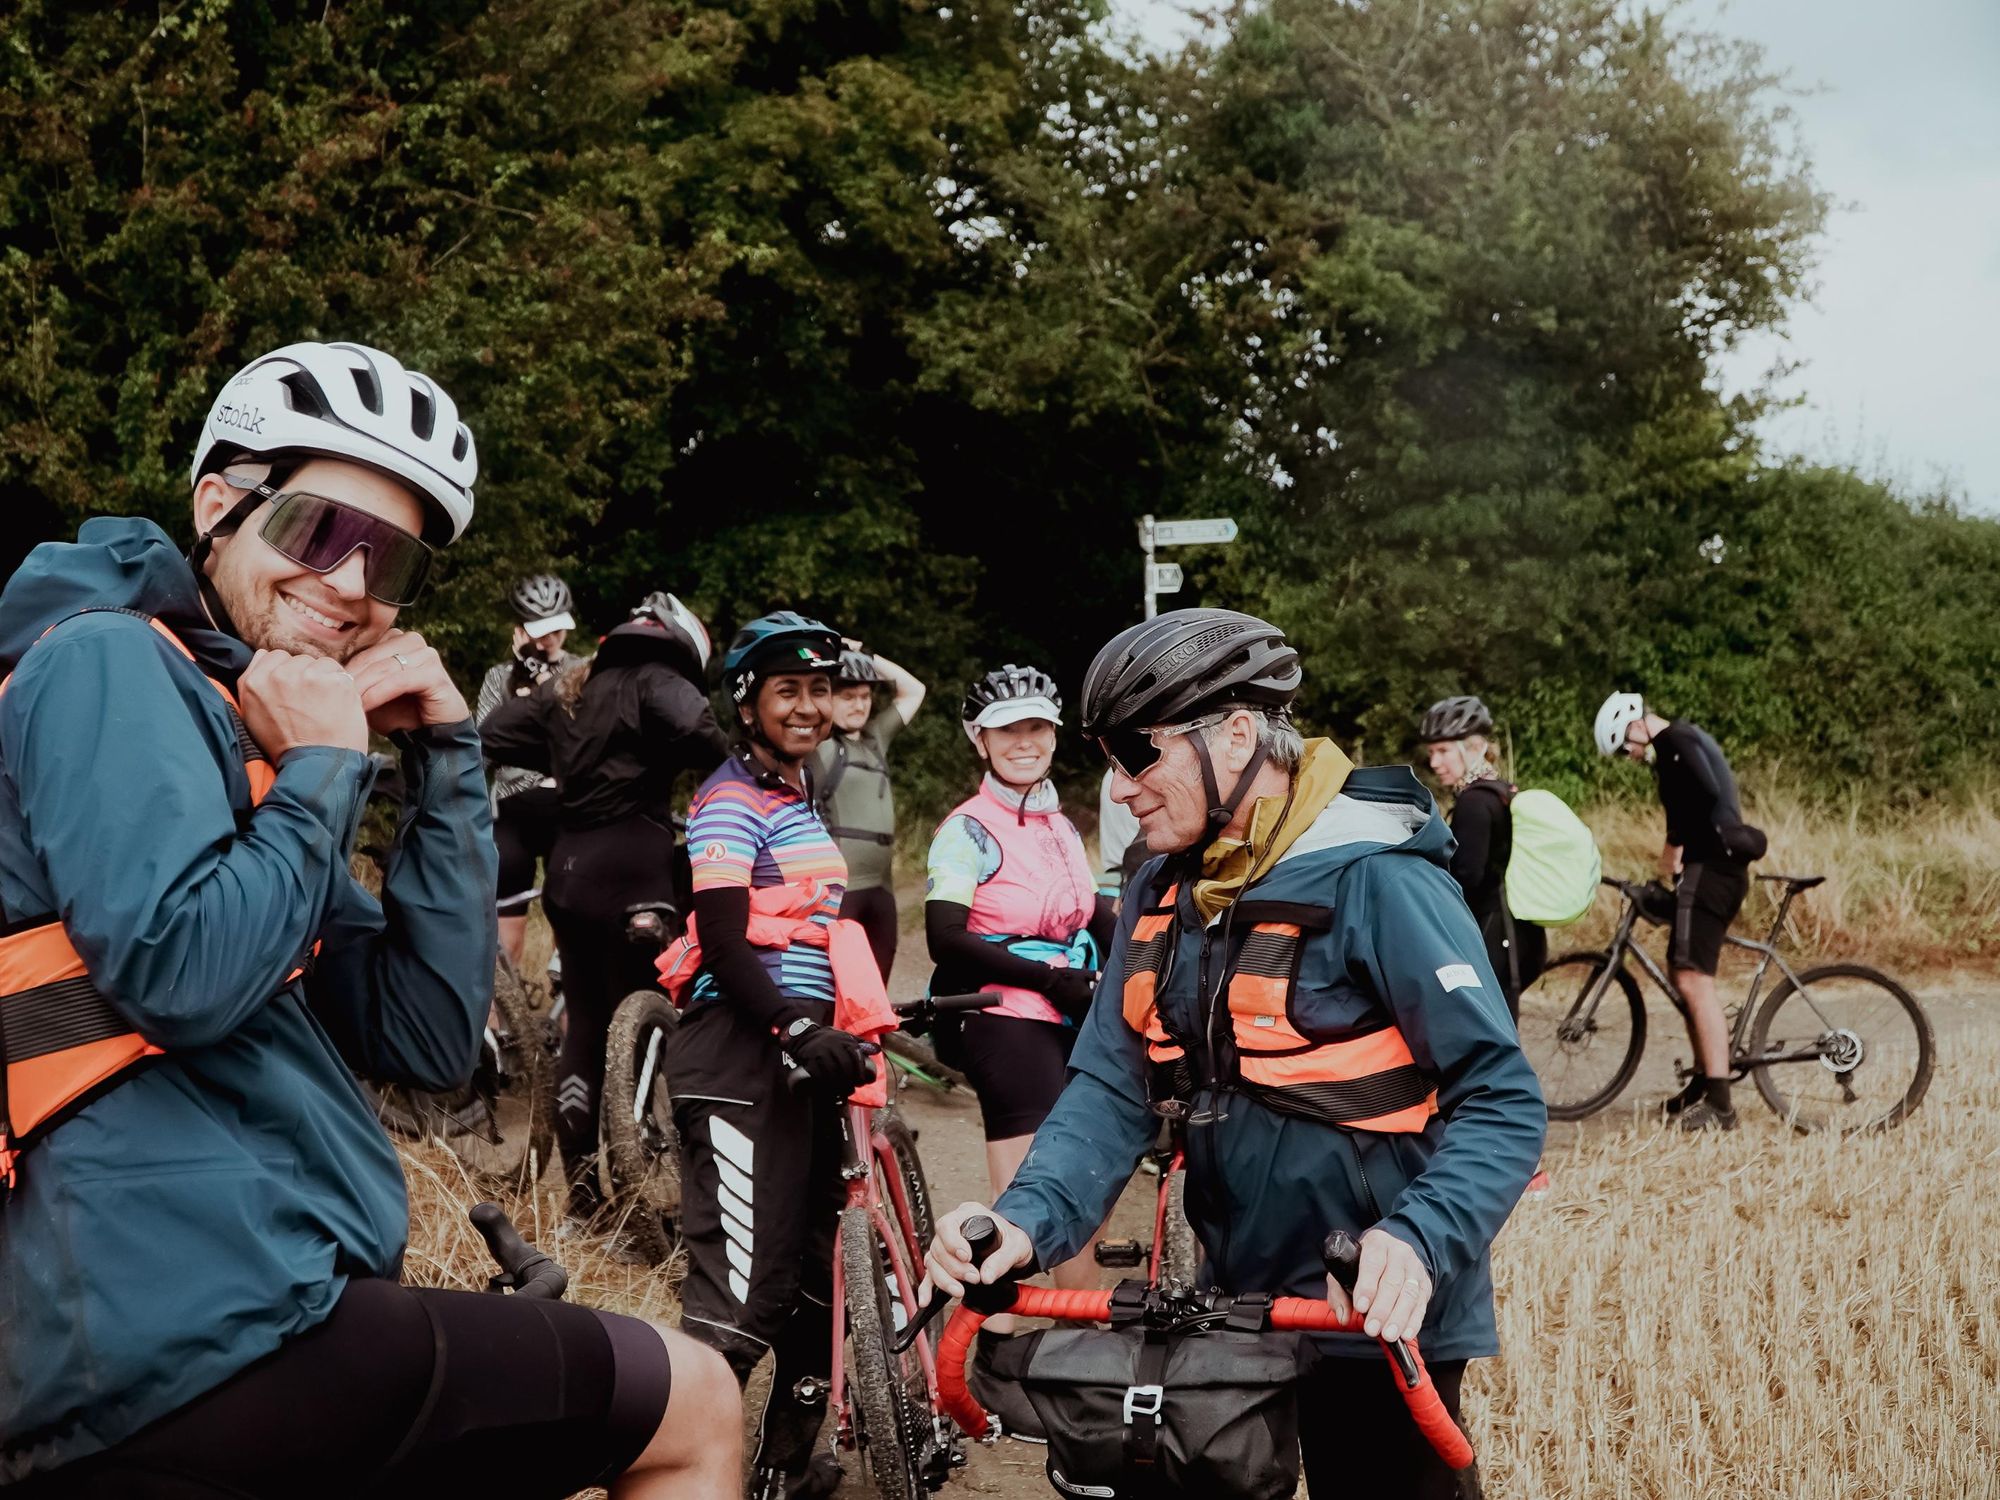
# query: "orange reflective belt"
{"points": [[1365, 1081], [62, 1041]]}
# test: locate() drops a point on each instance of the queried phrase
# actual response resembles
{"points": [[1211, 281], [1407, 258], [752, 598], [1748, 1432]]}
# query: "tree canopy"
{"points": [[903, 312]]}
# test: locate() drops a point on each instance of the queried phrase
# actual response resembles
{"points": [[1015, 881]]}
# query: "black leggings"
{"points": [[1356, 1436], [594, 876], [524, 831], [405, 1392]]}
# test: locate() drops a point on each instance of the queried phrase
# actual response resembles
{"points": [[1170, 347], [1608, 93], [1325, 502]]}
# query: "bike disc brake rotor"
{"points": [[1841, 1051]]}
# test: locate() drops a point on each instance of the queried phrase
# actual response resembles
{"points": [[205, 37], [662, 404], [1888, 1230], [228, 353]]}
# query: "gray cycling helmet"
{"points": [[857, 669], [1454, 719], [543, 601], [1186, 663]]}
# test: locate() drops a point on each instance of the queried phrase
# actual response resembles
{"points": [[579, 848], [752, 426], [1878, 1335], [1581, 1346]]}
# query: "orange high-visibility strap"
{"points": [[62, 1042]]}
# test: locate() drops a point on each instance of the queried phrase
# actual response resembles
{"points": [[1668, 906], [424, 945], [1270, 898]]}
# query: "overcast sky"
{"points": [[1899, 349]]}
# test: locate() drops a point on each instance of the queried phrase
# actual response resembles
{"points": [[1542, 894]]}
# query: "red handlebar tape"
{"points": [[1301, 1314]]}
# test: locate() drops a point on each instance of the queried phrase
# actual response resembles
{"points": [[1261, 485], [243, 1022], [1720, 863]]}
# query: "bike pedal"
{"points": [[1119, 1253]]}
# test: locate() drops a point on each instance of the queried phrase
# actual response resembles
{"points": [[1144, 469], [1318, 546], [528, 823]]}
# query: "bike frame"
{"points": [[1624, 943], [899, 1233]]}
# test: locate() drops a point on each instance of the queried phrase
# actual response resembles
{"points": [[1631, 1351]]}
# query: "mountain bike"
{"points": [[637, 1110], [501, 1123], [1835, 1047], [882, 1396]]}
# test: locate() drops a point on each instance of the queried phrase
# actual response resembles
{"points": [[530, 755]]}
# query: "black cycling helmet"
{"points": [[782, 641], [659, 628], [1454, 719], [857, 669], [1184, 664], [1178, 667], [543, 602]]}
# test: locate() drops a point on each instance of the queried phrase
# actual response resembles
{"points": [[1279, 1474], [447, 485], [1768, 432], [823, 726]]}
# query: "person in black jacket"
{"points": [[1705, 861], [1455, 735], [615, 731]]}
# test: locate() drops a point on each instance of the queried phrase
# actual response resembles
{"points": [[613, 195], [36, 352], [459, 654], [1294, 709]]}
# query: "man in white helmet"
{"points": [[202, 1225], [1704, 873]]}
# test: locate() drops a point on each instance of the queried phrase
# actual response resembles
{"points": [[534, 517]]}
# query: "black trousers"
{"points": [[760, 1190], [1356, 1436], [875, 910], [1518, 951], [594, 875]]}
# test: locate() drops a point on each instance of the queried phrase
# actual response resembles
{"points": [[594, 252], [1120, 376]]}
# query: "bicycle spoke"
{"points": [[1582, 1030], [1845, 1049]]}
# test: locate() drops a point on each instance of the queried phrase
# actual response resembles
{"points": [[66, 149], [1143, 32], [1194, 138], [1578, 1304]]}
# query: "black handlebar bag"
{"points": [[1136, 1413]]}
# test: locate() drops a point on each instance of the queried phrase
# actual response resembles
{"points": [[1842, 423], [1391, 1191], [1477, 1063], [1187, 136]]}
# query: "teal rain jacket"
{"points": [[1263, 1188], [195, 1217]]}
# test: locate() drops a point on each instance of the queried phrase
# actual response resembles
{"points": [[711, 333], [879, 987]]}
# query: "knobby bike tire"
{"points": [[501, 1124], [903, 1146], [887, 1426], [1180, 1254], [1778, 1083], [643, 1146], [1543, 1005]]}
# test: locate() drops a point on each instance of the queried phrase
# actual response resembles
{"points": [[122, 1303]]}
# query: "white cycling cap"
{"points": [[1014, 710], [540, 628]]}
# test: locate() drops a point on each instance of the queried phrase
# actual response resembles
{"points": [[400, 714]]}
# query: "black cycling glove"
{"points": [[838, 1061], [1069, 991]]}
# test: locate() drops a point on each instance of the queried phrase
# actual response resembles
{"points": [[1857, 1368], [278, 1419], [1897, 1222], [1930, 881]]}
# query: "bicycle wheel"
{"points": [[1583, 1061], [1180, 1254], [638, 1116], [903, 1146], [1846, 1049], [501, 1124], [890, 1397]]}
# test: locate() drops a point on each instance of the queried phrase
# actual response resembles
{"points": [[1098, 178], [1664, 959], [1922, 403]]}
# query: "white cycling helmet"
{"points": [[348, 401], [1620, 712]]}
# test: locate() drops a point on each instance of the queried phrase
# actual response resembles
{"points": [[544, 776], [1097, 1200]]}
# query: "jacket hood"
{"points": [[1379, 808], [116, 562]]}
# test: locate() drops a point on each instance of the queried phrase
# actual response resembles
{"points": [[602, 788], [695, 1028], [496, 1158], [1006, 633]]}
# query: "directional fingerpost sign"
{"points": [[1166, 578], [1186, 533]]}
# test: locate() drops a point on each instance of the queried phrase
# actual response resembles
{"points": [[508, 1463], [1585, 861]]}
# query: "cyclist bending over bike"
{"points": [[199, 1254], [1705, 861], [1454, 736], [525, 803], [617, 731], [1296, 980], [760, 1175], [1011, 905]]}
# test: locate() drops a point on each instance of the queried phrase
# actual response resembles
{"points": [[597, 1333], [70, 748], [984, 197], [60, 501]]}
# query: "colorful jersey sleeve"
{"points": [[726, 829], [963, 857]]}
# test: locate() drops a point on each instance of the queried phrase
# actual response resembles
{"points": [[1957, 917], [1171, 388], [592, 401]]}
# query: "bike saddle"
{"points": [[1800, 882]]}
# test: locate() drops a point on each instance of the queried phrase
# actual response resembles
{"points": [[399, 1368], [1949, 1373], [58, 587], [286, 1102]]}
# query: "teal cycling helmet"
{"points": [[782, 641]]}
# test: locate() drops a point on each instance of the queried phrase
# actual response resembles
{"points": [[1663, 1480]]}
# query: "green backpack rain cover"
{"points": [[1552, 873]]}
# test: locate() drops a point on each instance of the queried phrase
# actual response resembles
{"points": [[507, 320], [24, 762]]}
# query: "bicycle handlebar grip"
{"points": [[982, 1237], [1340, 1253], [527, 1270]]}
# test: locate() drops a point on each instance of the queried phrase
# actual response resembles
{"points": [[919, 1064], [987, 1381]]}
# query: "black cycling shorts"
{"points": [[524, 830], [1018, 1067], [405, 1392], [1706, 900]]}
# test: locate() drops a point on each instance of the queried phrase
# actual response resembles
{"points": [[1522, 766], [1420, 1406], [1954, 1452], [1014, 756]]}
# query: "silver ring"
{"points": [[1413, 1282], [401, 660]]}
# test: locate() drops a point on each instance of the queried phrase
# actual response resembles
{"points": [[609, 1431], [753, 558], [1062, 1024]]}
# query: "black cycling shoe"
{"points": [[1697, 1087], [819, 1480], [1704, 1115]]}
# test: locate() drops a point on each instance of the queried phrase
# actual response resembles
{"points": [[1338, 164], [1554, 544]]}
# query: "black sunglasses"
{"points": [[321, 534], [1134, 752]]}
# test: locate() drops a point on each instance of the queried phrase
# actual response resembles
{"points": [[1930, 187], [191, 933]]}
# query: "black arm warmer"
{"points": [[972, 961], [1104, 926], [722, 918]]}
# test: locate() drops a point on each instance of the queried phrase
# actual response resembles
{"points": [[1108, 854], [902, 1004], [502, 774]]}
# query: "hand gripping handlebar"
{"points": [[1301, 1314]]}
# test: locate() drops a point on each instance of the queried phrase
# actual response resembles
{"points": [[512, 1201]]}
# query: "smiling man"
{"points": [[202, 1225], [1297, 986]]}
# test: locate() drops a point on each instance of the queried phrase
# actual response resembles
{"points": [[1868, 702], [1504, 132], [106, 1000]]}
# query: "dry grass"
{"points": [[1912, 888], [1756, 1314]]}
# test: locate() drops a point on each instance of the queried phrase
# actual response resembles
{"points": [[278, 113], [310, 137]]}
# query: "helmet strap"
{"points": [[1219, 810]]}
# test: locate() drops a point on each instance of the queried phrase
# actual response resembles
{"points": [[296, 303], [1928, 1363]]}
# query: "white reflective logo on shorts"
{"points": [[735, 1155], [1458, 977]]}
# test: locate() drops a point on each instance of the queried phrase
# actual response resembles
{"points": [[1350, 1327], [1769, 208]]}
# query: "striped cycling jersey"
{"points": [[748, 830]]}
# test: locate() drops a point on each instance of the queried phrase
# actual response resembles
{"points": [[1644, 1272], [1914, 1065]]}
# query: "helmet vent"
{"points": [[423, 414], [306, 395], [370, 392]]}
